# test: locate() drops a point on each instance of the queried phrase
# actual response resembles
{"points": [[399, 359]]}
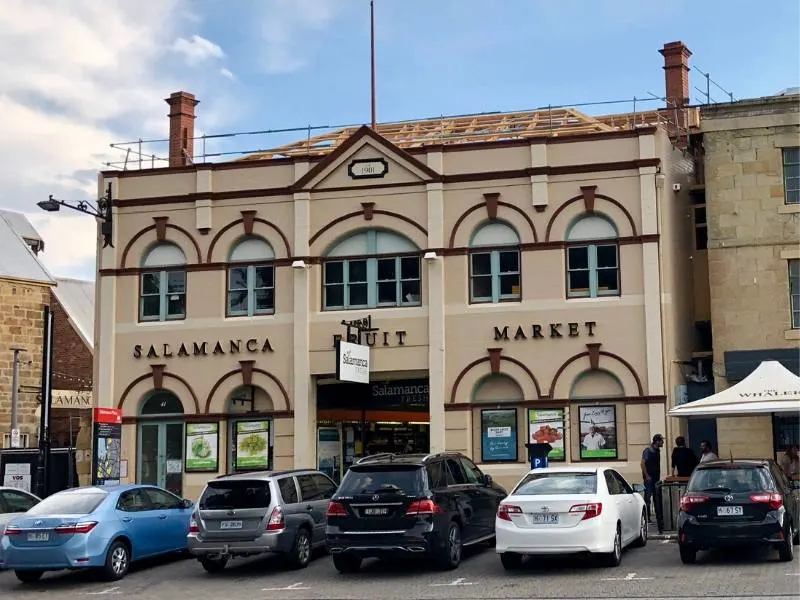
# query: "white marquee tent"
{"points": [[770, 388]]}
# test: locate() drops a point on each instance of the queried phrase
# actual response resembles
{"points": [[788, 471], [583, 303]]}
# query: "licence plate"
{"points": [[729, 511], [544, 518], [38, 537], [230, 525], [376, 512]]}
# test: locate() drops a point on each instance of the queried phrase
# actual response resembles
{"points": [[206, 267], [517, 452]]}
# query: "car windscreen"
{"points": [[70, 503], [546, 484], [730, 478], [235, 494], [360, 480]]}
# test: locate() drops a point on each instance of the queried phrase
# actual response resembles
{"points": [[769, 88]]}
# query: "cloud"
{"points": [[287, 30], [227, 73], [84, 74], [197, 50]]}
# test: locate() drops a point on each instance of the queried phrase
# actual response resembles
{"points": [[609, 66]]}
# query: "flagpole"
{"points": [[372, 60]]}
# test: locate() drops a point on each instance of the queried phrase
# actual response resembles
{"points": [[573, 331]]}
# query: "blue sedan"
{"points": [[103, 528]]}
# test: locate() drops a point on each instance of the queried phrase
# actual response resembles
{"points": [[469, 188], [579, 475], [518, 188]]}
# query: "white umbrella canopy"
{"points": [[770, 388]]}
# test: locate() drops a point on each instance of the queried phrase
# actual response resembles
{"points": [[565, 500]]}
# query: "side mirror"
{"points": [[186, 503], [487, 479], [638, 488]]}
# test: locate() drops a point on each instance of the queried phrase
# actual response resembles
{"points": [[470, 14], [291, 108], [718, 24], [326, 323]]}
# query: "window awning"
{"points": [[770, 388]]}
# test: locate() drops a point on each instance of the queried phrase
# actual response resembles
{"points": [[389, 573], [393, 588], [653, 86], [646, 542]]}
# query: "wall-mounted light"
{"points": [[430, 256], [299, 264]]}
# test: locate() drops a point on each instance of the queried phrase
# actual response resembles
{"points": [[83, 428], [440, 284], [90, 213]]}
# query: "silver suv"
{"points": [[246, 514]]}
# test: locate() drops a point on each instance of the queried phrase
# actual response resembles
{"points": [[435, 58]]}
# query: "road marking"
{"points": [[459, 581], [666, 541], [112, 590], [628, 577], [793, 574], [294, 586]]}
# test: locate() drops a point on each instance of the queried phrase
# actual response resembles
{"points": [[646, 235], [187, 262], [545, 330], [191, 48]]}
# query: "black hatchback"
{"points": [[738, 502], [411, 505]]}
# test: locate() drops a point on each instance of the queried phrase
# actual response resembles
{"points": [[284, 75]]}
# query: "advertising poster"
{"points": [[547, 427], [17, 476], [107, 445], [598, 430], [252, 445], [329, 449], [499, 435], [202, 447]]}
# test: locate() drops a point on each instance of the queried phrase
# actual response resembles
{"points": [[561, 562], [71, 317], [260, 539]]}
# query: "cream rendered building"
{"points": [[501, 277]]}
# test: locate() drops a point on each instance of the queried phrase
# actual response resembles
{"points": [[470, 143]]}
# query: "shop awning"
{"points": [[770, 388]]}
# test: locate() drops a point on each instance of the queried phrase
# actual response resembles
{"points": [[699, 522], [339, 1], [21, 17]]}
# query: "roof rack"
{"points": [[389, 455]]}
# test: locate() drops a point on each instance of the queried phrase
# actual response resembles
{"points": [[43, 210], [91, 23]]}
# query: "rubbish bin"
{"points": [[668, 502]]}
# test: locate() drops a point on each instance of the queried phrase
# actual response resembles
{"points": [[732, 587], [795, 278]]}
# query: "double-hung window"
{"points": [[791, 175], [371, 269], [162, 284], [494, 264], [592, 258], [251, 278], [794, 292]]}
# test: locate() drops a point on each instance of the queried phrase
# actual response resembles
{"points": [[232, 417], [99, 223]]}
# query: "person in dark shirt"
{"points": [[684, 460], [651, 469]]}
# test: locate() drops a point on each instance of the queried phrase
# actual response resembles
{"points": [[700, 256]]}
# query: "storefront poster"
{"points": [[499, 435], [329, 449], [252, 445], [202, 447], [17, 475], [547, 427], [107, 444], [598, 430]]}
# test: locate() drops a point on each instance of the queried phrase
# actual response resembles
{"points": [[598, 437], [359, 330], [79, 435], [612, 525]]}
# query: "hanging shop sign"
{"points": [[220, 347], [202, 447], [538, 331], [546, 426], [352, 362], [252, 445], [107, 446]]}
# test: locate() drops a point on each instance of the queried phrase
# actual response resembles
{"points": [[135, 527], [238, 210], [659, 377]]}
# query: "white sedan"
{"points": [[565, 510]]}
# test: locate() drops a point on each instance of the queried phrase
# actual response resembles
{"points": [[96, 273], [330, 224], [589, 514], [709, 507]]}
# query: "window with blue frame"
{"points": [[494, 264], [592, 258], [371, 269], [162, 284], [251, 279]]}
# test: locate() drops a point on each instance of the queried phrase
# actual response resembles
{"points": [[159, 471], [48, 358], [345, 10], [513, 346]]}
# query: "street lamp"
{"points": [[102, 211]]}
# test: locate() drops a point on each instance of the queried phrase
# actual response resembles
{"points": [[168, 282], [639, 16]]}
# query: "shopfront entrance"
{"points": [[356, 420], [161, 442]]}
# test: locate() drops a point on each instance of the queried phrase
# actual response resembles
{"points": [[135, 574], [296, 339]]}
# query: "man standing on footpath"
{"points": [[651, 472]]}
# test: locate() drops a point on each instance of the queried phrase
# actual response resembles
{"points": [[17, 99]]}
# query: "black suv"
{"points": [[738, 502], [412, 505]]}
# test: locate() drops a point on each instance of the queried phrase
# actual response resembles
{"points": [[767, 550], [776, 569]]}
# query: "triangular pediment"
{"points": [[366, 159]]}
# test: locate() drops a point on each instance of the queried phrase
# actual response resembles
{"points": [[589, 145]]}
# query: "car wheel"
{"points": [[346, 563], [688, 554], [641, 541], [450, 556], [300, 553], [29, 576], [786, 549], [613, 558], [118, 561], [214, 565], [796, 540], [511, 560]]}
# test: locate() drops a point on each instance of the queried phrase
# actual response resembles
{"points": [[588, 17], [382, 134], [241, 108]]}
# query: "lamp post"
{"points": [[102, 211]]}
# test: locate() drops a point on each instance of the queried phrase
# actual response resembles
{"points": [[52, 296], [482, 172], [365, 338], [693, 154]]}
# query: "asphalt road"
{"points": [[651, 573]]}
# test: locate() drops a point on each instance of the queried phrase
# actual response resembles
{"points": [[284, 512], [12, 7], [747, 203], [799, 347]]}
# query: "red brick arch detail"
{"points": [[616, 357], [270, 224], [480, 205], [360, 213], [141, 378], [616, 203], [484, 359], [141, 232], [229, 374]]}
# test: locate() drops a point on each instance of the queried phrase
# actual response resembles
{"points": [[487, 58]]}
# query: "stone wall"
{"points": [[21, 325]]}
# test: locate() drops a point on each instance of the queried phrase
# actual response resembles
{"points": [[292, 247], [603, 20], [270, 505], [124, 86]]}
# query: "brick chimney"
{"points": [[676, 73], [181, 128]]}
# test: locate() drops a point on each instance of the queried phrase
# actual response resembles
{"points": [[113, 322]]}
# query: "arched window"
{"points": [[162, 287], [251, 287], [592, 258], [355, 279], [494, 264]]}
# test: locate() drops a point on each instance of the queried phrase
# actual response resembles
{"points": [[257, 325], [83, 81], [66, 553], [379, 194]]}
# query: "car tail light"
{"points": [[193, 526], [690, 500], [12, 530], [84, 527], [336, 509], [276, 521], [774, 500], [590, 510], [504, 511], [422, 507]]}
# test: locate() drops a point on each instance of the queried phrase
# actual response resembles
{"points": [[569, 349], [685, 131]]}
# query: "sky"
{"points": [[78, 75]]}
